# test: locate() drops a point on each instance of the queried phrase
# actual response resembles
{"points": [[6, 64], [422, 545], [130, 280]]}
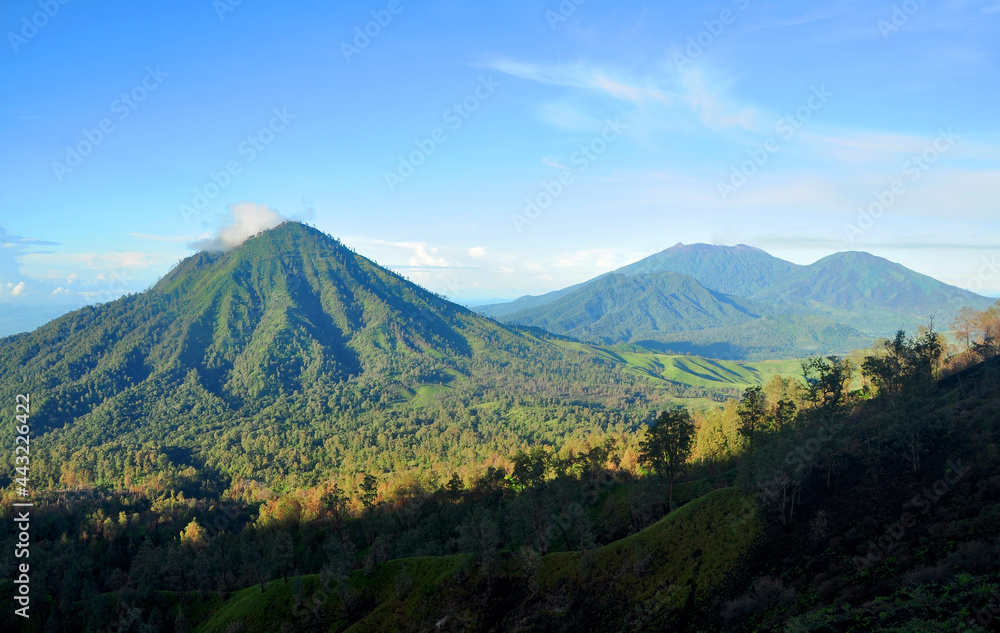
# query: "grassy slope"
{"points": [[719, 376], [692, 370], [675, 564], [667, 570]]}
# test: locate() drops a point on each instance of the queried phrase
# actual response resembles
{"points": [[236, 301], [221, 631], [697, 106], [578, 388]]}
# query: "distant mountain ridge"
{"points": [[637, 305], [838, 302], [736, 270]]}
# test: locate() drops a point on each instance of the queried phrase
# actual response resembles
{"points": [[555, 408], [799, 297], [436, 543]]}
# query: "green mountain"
{"points": [[293, 350], [836, 304], [616, 308], [736, 270], [871, 293], [725, 269]]}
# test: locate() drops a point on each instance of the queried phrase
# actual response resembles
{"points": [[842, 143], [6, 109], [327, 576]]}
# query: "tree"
{"points": [[667, 446], [528, 473], [281, 552], [256, 568], [885, 368], [965, 325], [903, 371], [988, 323], [145, 569], [904, 363], [491, 485], [752, 410], [924, 354], [334, 504], [784, 413], [369, 493], [454, 488], [479, 534], [986, 343], [827, 380], [529, 468]]}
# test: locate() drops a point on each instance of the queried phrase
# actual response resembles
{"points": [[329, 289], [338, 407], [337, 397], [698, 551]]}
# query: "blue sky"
{"points": [[492, 151]]}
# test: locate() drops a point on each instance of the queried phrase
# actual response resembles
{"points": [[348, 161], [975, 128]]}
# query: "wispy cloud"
{"points": [[860, 147], [692, 91], [589, 78], [712, 108], [552, 161]]}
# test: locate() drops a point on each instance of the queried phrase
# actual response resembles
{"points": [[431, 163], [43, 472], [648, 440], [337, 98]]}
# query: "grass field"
{"points": [[692, 370]]}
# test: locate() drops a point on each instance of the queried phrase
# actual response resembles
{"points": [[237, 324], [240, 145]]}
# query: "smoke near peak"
{"points": [[242, 221]]}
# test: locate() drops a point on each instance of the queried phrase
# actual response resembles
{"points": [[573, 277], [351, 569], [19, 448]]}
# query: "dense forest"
{"points": [[288, 437], [809, 477]]}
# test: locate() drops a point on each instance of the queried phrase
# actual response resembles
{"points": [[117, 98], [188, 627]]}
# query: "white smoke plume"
{"points": [[242, 221]]}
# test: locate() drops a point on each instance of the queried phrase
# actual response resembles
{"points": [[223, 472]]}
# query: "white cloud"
{"points": [[424, 255], [552, 161], [420, 254], [580, 76], [704, 94], [477, 251], [242, 221], [60, 290], [711, 107], [18, 289]]}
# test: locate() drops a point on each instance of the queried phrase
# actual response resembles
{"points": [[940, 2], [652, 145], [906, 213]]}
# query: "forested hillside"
{"points": [[291, 358], [806, 504]]}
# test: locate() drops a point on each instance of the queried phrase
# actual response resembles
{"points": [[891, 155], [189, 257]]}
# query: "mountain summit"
{"points": [[737, 270], [287, 329], [838, 303]]}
